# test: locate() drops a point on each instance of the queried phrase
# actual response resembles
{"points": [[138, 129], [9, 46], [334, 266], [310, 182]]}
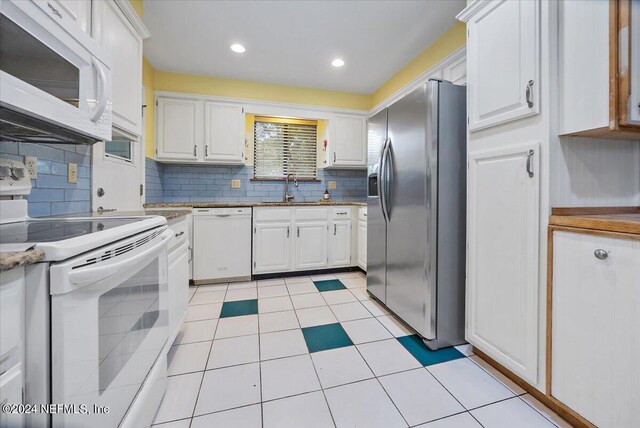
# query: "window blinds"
{"points": [[282, 148]]}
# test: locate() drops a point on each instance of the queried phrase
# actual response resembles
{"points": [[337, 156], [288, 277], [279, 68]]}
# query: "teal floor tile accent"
{"points": [[323, 337], [239, 308], [426, 356], [329, 285]]}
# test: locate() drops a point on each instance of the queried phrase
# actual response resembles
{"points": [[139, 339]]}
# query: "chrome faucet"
{"points": [[287, 196]]}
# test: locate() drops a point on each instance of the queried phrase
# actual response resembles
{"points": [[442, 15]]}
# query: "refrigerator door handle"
{"points": [[388, 177], [381, 172]]}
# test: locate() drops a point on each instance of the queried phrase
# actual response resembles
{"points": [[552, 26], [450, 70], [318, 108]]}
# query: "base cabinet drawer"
{"points": [[595, 334]]}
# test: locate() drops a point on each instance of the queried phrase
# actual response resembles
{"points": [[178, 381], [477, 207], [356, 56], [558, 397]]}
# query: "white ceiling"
{"points": [[293, 42]]}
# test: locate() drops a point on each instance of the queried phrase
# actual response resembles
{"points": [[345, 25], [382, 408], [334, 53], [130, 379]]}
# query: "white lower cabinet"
{"points": [[301, 238], [362, 238], [340, 238], [596, 328], [178, 286], [12, 331], [272, 247], [311, 246], [502, 256]]}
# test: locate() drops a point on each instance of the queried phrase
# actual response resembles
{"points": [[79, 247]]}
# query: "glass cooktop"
{"points": [[57, 230]]}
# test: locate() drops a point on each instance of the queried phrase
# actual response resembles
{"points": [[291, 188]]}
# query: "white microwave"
{"points": [[55, 81]]}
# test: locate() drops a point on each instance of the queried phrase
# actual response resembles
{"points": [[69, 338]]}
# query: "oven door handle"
{"points": [[84, 276]]}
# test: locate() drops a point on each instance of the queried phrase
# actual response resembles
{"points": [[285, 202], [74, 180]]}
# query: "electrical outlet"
{"points": [[332, 185], [72, 173], [235, 184], [31, 163]]}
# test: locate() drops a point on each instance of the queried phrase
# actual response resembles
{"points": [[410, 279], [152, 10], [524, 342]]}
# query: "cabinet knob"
{"points": [[601, 254]]}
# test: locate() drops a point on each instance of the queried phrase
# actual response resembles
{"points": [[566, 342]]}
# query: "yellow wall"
{"points": [[157, 80], [453, 39], [217, 86], [137, 6]]}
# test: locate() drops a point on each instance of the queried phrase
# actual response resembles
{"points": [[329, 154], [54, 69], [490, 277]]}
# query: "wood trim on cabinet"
{"points": [[562, 410], [624, 61], [557, 211]]}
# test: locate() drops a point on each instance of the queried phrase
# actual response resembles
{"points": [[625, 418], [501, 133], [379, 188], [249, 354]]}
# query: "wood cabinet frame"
{"points": [[619, 77]]}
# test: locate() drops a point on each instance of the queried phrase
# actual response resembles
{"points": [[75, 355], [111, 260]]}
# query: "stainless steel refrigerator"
{"points": [[416, 210]]}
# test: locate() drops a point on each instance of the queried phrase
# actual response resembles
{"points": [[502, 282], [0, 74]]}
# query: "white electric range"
{"points": [[96, 310]]}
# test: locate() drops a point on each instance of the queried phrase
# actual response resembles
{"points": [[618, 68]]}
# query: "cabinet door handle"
{"points": [[601, 254], [529, 94], [298, 233], [287, 231], [195, 150], [529, 157], [334, 156], [335, 227], [179, 234], [206, 150]]}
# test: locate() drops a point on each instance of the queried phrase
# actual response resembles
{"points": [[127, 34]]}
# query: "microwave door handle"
{"points": [[91, 274], [102, 93]]}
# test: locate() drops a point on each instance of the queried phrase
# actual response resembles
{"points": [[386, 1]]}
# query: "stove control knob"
{"points": [[5, 172], [18, 173]]}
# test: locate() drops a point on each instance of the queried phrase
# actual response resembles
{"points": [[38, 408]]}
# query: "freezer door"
{"points": [[412, 226], [376, 225]]}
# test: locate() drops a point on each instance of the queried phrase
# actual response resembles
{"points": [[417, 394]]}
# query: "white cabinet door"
{"points": [[77, 10], [224, 133], [311, 245], [178, 129], [271, 247], [456, 72], [340, 237], [634, 100], [348, 143], [502, 258], [503, 62], [116, 35], [362, 244], [596, 328], [178, 286]]}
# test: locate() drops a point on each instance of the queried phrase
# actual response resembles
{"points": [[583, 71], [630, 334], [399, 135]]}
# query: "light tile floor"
{"points": [[248, 364]]}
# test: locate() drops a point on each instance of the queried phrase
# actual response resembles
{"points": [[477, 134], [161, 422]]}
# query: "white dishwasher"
{"points": [[221, 244]]}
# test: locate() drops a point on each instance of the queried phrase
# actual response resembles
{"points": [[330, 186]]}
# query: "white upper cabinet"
{"points": [[78, 10], [224, 133], [347, 145], [503, 62], [194, 130], [502, 256], [594, 38], [179, 129], [114, 32]]}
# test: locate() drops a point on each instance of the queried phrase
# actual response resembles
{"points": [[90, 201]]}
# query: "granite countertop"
{"points": [[21, 258], [168, 214], [614, 219], [253, 204]]}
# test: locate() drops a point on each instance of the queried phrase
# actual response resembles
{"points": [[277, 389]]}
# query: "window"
{"points": [[119, 149], [284, 146]]}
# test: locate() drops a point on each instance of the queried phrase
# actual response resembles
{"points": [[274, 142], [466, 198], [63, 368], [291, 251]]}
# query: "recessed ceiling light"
{"points": [[337, 62], [236, 47]]}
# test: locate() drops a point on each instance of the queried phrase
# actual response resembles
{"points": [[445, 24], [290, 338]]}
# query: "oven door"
{"points": [[52, 71], [109, 324]]}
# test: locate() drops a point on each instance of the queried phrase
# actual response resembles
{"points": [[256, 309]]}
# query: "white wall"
{"points": [[594, 172]]}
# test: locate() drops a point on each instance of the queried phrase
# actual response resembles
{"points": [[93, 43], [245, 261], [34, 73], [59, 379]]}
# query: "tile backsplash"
{"points": [[51, 194], [195, 183]]}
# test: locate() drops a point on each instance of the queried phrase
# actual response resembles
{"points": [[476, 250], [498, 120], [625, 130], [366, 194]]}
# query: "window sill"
{"points": [[307, 180]]}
